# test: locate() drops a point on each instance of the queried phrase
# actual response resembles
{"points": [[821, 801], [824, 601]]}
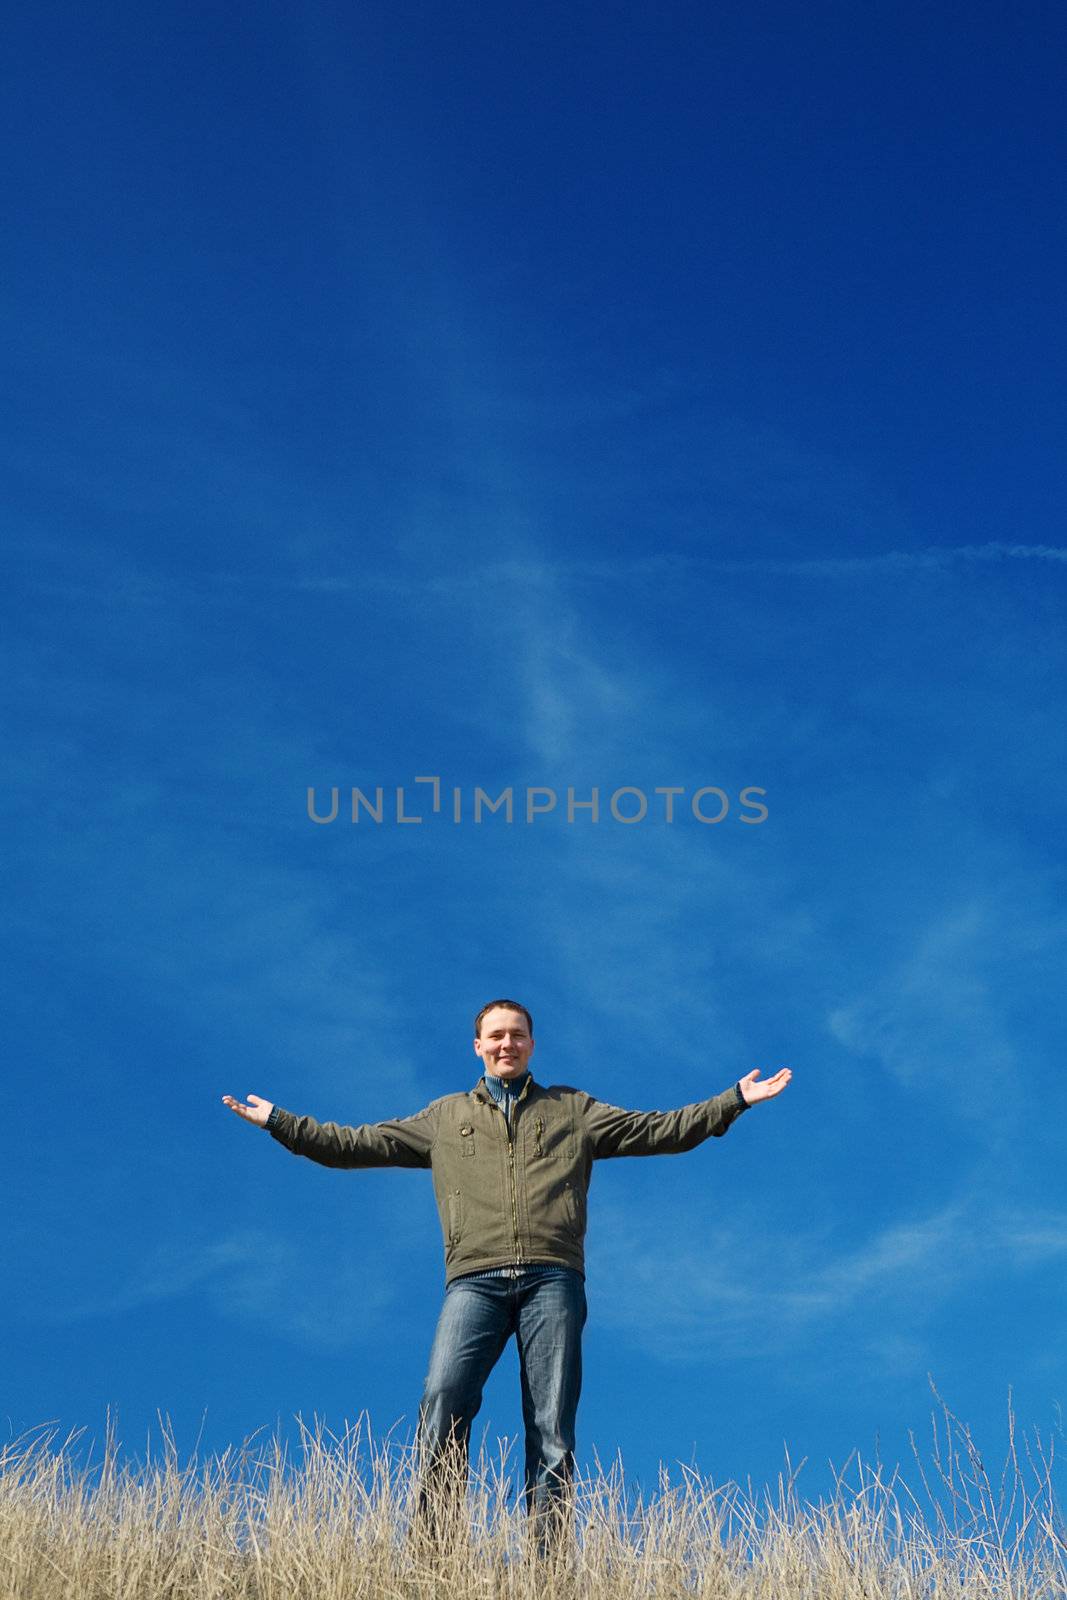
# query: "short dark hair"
{"points": [[509, 1005]]}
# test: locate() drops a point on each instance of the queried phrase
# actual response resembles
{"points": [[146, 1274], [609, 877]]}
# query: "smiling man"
{"points": [[511, 1161]]}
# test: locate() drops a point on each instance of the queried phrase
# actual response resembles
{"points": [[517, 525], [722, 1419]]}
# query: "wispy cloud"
{"points": [[945, 1015], [930, 557], [318, 1292], [88, 574], [679, 1298], [541, 577]]}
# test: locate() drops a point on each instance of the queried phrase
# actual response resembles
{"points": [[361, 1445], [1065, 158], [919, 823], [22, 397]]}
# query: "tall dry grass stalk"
{"points": [[338, 1523]]}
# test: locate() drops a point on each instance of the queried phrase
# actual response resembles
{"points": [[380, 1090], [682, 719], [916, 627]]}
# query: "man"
{"points": [[511, 1161]]}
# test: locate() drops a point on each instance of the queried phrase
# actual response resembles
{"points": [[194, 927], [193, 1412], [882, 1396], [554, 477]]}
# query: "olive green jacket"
{"points": [[508, 1196]]}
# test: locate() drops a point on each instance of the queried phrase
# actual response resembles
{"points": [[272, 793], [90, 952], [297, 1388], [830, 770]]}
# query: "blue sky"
{"points": [[568, 397]]}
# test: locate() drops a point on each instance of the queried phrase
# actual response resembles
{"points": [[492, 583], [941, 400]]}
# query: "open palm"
{"points": [[753, 1091], [257, 1110]]}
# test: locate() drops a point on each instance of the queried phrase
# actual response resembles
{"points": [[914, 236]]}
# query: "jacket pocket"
{"points": [[455, 1216], [549, 1138], [573, 1211]]}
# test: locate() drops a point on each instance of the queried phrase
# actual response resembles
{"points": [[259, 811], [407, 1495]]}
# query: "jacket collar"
{"points": [[481, 1089]]}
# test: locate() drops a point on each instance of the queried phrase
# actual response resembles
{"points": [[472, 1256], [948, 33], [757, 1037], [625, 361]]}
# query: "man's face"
{"points": [[504, 1044]]}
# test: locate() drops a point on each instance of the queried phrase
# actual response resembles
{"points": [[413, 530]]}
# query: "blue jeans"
{"points": [[545, 1308]]}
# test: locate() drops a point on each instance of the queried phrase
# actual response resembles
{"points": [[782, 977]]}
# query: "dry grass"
{"points": [[334, 1524]]}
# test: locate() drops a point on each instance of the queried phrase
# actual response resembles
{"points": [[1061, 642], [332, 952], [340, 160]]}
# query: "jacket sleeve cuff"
{"points": [[742, 1103], [274, 1118]]}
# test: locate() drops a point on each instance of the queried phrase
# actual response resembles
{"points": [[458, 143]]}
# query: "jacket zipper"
{"points": [[514, 1196]]}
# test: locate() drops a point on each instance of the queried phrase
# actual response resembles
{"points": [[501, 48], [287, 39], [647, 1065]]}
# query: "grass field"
{"points": [[253, 1523]]}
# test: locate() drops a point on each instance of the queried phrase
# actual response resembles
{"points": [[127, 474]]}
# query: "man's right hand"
{"points": [[256, 1110]]}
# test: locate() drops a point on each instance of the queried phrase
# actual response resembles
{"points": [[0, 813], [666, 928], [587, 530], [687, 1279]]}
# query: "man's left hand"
{"points": [[753, 1091]]}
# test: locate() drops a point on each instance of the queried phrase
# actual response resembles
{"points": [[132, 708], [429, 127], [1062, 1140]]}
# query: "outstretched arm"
{"points": [[612, 1131], [405, 1142], [615, 1132], [752, 1092]]}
